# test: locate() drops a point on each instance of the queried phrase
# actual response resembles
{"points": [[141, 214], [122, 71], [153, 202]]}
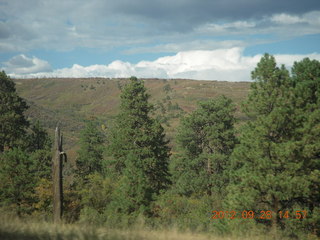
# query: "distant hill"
{"points": [[71, 100]]}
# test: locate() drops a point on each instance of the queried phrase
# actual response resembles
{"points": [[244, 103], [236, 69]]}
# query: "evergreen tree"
{"points": [[13, 123], [25, 170], [267, 172], [91, 150], [39, 148], [306, 79], [17, 181], [25, 158], [139, 151], [38, 139], [206, 138]]}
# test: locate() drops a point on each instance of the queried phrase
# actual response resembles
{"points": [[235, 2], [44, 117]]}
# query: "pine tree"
{"points": [[39, 149], [13, 123], [17, 181], [306, 79], [138, 149], [206, 138], [38, 139], [25, 155], [91, 150], [267, 172]]}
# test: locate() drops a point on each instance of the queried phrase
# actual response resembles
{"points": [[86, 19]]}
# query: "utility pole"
{"points": [[57, 164]]}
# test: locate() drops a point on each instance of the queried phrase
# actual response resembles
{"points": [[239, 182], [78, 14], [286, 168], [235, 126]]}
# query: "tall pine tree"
{"points": [[139, 151], [268, 172], [25, 154], [206, 138], [306, 82]]}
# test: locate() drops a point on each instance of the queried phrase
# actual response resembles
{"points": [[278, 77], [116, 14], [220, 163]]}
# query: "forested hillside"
{"points": [[73, 100]]}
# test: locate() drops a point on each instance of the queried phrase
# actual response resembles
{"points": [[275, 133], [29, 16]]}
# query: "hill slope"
{"points": [[71, 100]]}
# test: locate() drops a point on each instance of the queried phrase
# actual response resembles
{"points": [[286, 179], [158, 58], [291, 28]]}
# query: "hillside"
{"points": [[71, 100]]}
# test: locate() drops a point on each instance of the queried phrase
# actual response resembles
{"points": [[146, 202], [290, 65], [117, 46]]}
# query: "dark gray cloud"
{"points": [[189, 13], [69, 24], [4, 31]]}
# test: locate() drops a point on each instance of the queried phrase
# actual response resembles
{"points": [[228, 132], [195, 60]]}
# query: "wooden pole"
{"points": [[57, 159]]}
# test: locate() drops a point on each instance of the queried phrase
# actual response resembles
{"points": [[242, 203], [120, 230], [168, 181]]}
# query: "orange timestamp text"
{"points": [[263, 214]]}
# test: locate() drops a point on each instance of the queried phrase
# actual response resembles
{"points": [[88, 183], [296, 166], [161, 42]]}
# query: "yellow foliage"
{"points": [[43, 193]]}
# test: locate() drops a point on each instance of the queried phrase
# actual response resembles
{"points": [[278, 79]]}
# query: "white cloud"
{"points": [[310, 18], [187, 46], [222, 64], [286, 19], [22, 65], [226, 27]]}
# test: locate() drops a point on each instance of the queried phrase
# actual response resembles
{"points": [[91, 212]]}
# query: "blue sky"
{"points": [[196, 39]]}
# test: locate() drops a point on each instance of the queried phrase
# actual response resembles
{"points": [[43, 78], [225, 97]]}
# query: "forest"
{"points": [[217, 175]]}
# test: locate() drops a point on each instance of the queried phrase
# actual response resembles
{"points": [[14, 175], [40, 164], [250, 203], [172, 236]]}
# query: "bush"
{"points": [[186, 213], [96, 195]]}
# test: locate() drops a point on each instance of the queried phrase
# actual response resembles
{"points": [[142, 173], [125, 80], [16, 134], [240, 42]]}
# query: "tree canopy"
{"points": [[139, 150], [206, 138], [270, 170], [13, 122]]}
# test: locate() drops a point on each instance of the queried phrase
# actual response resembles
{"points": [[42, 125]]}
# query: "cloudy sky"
{"points": [[196, 39]]}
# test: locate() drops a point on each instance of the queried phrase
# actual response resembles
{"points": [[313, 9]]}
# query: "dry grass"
{"points": [[50, 231], [13, 228]]}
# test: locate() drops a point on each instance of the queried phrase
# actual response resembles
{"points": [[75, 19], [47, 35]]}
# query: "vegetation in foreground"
{"points": [[12, 228], [261, 178]]}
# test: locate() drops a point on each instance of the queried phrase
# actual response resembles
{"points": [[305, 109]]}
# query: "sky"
{"points": [[195, 39]]}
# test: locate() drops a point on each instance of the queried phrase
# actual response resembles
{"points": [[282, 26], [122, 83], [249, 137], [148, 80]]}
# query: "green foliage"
{"points": [[86, 195], [306, 79], [24, 177], [39, 148], [43, 195], [95, 195], [91, 150], [41, 163], [17, 181], [305, 76], [172, 210], [12, 121], [38, 139], [271, 84], [272, 168], [24, 155], [139, 151], [206, 138], [265, 167]]}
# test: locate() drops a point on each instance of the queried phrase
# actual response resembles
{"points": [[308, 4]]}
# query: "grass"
{"points": [[13, 228]]}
